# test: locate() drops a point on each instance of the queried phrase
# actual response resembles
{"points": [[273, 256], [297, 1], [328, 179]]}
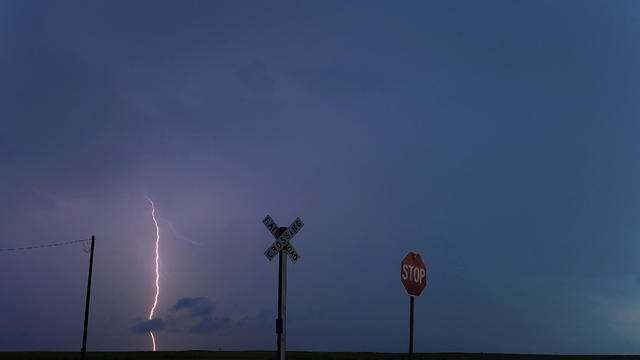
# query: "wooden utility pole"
{"points": [[83, 351]]}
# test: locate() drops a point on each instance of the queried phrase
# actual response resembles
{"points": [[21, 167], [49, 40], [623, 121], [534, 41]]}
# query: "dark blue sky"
{"points": [[496, 138]]}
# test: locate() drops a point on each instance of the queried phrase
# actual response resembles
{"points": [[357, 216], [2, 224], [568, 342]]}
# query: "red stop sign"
{"points": [[413, 273]]}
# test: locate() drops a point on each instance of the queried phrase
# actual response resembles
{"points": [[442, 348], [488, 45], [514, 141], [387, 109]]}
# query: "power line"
{"points": [[33, 247]]}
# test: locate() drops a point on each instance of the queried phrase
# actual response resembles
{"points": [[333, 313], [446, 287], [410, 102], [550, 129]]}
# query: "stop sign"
{"points": [[413, 273]]}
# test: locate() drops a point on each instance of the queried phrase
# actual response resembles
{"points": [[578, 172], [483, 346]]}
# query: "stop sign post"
{"points": [[413, 274]]}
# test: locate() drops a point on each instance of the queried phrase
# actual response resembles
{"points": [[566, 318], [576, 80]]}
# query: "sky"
{"points": [[498, 139]]}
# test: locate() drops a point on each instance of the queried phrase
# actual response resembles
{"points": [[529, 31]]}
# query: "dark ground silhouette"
{"points": [[295, 355]]}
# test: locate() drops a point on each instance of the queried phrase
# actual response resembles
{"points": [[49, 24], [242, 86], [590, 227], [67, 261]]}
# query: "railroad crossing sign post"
{"points": [[413, 274], [282, 246]]}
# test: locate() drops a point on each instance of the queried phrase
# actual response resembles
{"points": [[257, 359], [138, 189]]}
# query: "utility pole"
{"points": [[83, 351]]}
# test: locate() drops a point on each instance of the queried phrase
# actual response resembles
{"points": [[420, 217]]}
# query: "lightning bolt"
{"points": [[155, 300]]}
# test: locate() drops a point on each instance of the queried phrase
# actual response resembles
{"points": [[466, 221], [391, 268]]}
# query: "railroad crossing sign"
{"points": [[282, 241], [413, 273], [283, 247]]}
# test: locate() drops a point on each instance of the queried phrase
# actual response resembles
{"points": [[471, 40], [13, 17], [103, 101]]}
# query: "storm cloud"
{"points": [[202, 309], [149, 325], [499, 139], [196, 307]]}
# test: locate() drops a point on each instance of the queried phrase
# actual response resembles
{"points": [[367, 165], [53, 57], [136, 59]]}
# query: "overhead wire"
{"points": [[41, 246]]}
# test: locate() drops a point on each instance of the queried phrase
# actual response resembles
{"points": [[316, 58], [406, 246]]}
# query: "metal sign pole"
{"points": [[281, 323], [282, 300], [411, 329], [83, 351]]}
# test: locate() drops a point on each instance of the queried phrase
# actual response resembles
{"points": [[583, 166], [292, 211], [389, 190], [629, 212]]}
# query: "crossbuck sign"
{"points": [[282, 246], [282, 241]]}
